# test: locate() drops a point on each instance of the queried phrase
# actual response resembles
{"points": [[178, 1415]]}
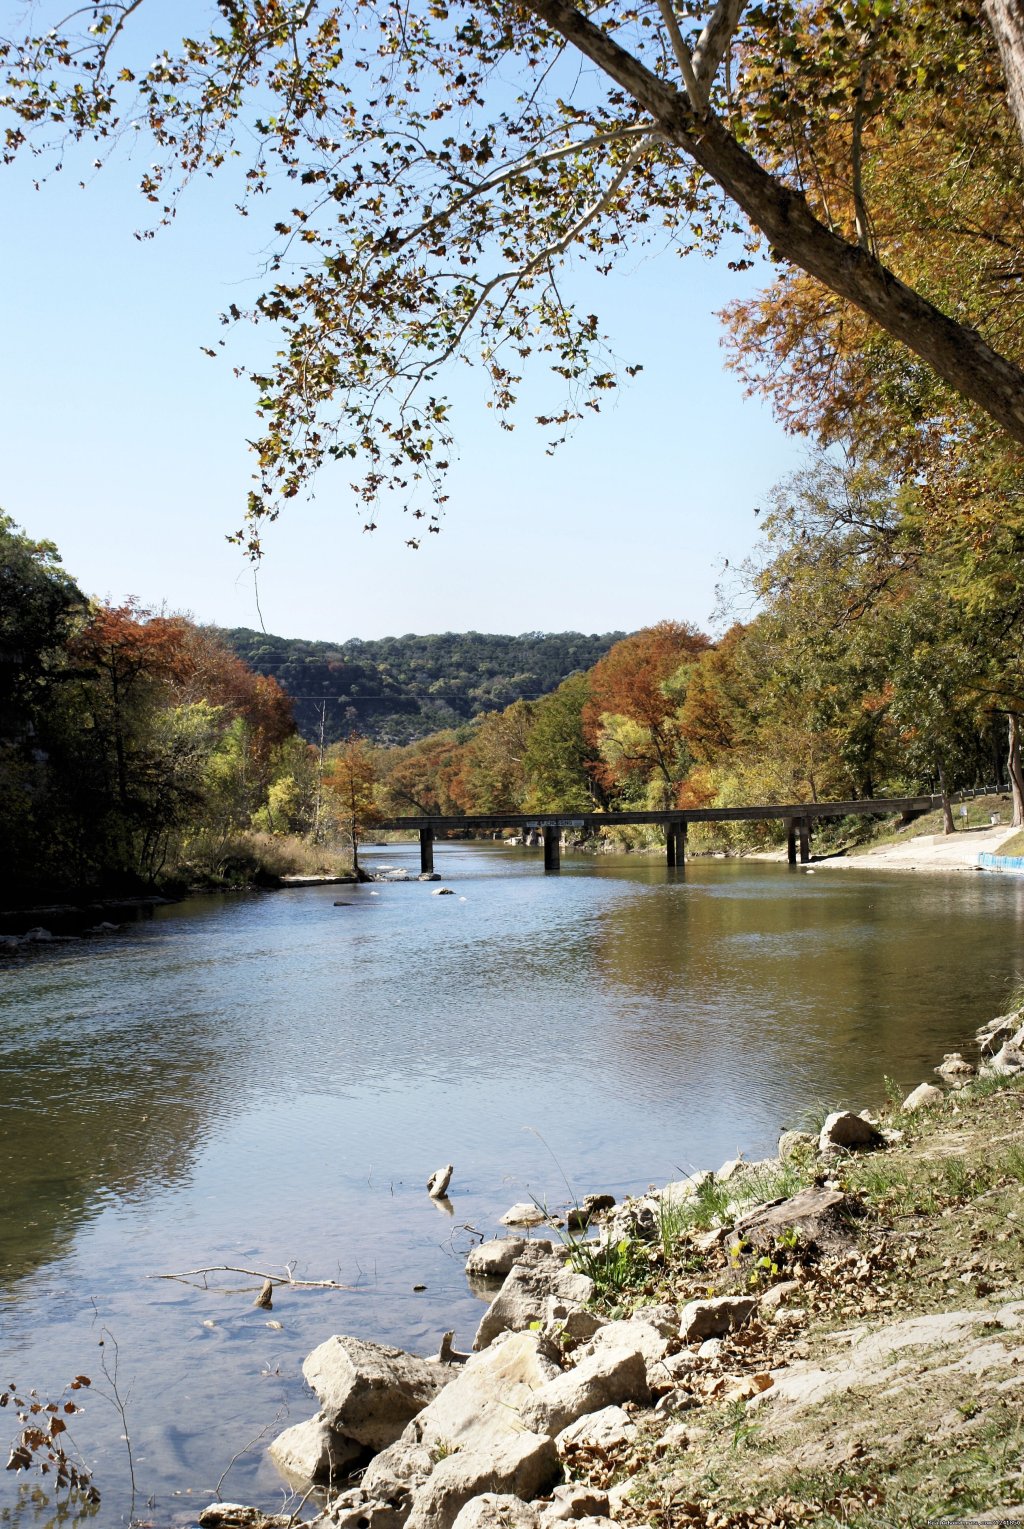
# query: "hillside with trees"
{"points": [[397, 689]]}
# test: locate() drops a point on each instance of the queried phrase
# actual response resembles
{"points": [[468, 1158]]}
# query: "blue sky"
{"points": [[127, 446]]}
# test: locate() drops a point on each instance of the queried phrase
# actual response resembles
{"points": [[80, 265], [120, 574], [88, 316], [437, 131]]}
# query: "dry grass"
{"points": [[927, 1431]]}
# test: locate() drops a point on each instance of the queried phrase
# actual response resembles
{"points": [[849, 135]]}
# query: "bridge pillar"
{"points": [[791, 840], [552, 855], [426, 850], [675, 844], [805, 840]]}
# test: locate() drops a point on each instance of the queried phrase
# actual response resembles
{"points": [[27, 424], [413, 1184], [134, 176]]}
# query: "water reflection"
{"points": [[257, 1079]]}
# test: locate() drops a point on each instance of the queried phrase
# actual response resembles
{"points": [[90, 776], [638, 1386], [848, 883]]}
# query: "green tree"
{"points": [[560, 762]]}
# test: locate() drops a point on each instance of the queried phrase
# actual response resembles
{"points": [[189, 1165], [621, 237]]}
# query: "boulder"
{"points": [[573, 1501], [922, 1098], [521, 1299], [777, 1296], [401, 1467], [607, 1429], [369, 1392], [845, 1131], [796, 1144], [593, 1207], [736, 1167], [236, 1515], [492, 1510], [955, 1068], [564, 1320], [664, 1318], [633, 1333], [355, 1510], [686, 1189], [633, 1221], [993, 1034], [521, 1465], [818, 1215], [524, 1213], [313, 1452], [486, 1399], [444, 892], [494, 1260], [711, 1318], [1007, 1061], [610, 1374]]}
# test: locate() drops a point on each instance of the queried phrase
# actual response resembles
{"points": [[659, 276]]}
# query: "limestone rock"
{"points": [[236, 1515], [772, 1299], [564, 1319], [494, 1260], [633, 1334], [610, 1374], [312, 1451], [521, 1299], [486, 1399], [922, 1098], [686, 1189], [995, 1032], [955, 1068], [593, 1206], [843, 1130], [437, 1184], [574, 1501], [795, 1144], [521, 1464], [609, 1428], [664, 1318], [819, 1215], [354, 1510], [443, 892], [636, 1220], [492, 1510], [369, 1392], [712, 1318], [393, 1476], [736, 1167], [1007, 1060], [524, 1213]]}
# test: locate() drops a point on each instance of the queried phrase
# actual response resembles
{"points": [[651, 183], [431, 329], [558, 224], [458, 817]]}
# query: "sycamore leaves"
{"points": [[44, 1439], [429, 175]]}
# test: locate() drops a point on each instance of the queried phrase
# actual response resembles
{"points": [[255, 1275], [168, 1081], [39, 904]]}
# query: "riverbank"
{"points": [[832, 1336], [926, 852]]}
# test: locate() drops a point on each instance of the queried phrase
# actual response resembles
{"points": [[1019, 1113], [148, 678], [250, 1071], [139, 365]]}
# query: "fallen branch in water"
{"points": [[274, 1279]]}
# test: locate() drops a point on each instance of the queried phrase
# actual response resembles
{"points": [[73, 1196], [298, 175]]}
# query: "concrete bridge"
{"points": [[797, 816]]}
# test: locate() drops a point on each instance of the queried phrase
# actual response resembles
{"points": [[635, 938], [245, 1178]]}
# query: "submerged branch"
{"points": [[275, 1279]]}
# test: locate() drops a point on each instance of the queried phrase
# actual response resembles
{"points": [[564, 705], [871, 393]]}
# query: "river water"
{"points": [[267, 1079]]}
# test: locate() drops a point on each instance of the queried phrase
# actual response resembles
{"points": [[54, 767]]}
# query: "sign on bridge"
{"points": [[553, 823]]}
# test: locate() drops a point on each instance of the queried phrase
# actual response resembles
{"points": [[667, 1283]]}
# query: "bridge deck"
{"points": [[787, 811]]}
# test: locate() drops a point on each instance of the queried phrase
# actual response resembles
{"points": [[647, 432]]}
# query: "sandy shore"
{"points": [[926, 852]]}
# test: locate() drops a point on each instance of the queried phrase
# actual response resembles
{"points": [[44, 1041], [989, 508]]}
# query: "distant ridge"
{"points": [[397, 689]]}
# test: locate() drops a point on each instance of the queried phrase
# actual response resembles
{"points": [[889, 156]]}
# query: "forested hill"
{"points": [[397, 689]]}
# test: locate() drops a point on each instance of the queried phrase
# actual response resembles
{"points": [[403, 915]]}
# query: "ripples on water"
{"points": [[266, 1078]]}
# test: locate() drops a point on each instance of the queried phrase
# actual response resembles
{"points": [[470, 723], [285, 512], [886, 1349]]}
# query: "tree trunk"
{"points": [[1015, 769], [1006, 19], [957, 353], [948, 826]]}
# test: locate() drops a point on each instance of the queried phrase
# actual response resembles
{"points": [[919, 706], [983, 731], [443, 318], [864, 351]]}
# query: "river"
{"points": [[266, 1079]]}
